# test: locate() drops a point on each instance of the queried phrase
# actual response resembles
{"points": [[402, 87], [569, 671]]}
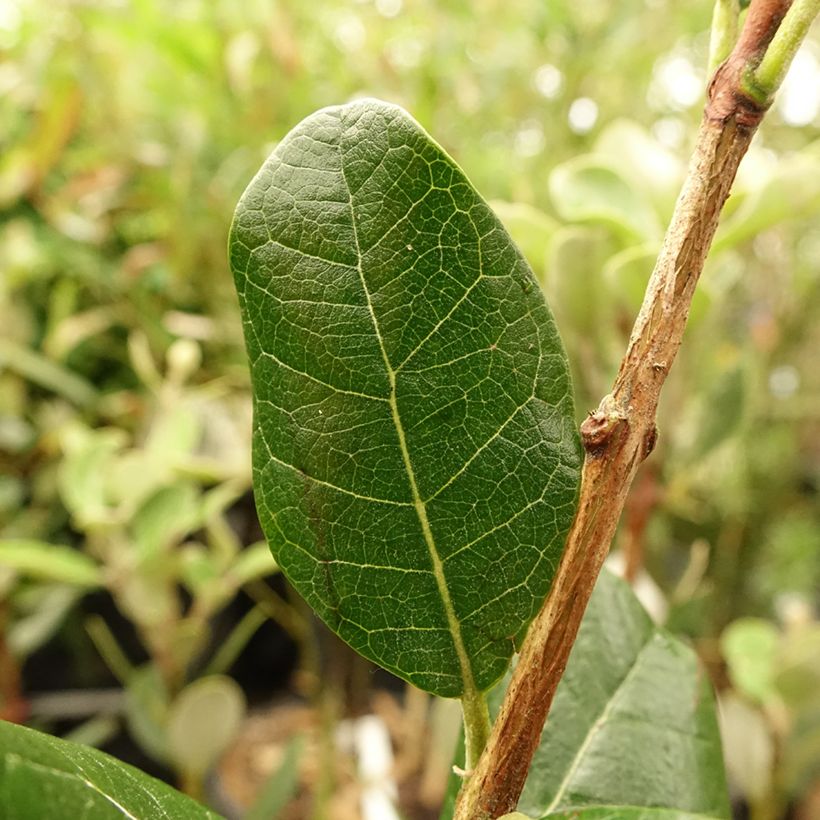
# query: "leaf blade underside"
{"points": [[416, 463]]}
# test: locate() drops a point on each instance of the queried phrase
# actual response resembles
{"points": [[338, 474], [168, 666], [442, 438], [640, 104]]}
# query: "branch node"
{"points": [[599, 427], [730, 94]]}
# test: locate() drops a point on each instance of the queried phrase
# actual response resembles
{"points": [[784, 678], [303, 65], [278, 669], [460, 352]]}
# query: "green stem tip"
{"points": [[724, 31], [772, 69]]}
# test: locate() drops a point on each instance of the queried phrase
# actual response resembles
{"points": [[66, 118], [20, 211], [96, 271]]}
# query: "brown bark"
{"points": [[621, 433]]}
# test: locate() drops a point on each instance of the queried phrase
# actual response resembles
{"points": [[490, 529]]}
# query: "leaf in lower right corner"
{"points": [[626, 813], [633, 733]]}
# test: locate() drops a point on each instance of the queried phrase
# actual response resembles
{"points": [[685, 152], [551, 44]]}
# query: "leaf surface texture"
{"points": [[416, 463], [42, 776]]}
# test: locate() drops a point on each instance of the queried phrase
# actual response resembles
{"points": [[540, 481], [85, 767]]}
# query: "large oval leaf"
{"points": [[415, 457], [42, 776], [632, 734]]}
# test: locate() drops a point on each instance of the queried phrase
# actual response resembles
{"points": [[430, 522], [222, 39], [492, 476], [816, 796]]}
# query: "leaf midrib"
{"points": [[470, 690]]}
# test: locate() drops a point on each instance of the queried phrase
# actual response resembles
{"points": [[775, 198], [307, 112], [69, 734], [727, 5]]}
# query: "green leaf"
{"points": [[574, 286], [589, 189], [632, 732], [254, 562], [627, 813], [164, 518], [787, 190], [633, 721], [648, 166], [202, 721], [85, 470], [146, 711], [415, 457], [42, 776], [797, 677], [281, 786], [750, 647], [531, 229], [39, 612], [49, 562], [50, 375], [723, 409]]}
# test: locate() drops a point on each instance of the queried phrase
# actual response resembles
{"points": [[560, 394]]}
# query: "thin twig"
{"points": [[724, 31], [778, 57], [621, 433]]}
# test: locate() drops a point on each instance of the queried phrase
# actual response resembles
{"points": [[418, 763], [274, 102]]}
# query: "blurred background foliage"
{"points": [[130, 566]]}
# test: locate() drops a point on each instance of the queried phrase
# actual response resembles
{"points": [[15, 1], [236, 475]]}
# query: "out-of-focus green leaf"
{"points": [[174, 433], [531, 229], [750, 647], [133, 476], [146, 711], [12, 492], [198, 569], [202, 721], [48, 374], [84, 473], [17, 172], [627, 274], [407, 374], [628, 813], [797, 670], [147, 593], [76, 328], [791, 560], [575, 288], [642, 160], [218, 499], [42, 776], [49, 562], [788, 189], [164, 518], [254, 562], [40, 612], [749, 747], [587, 189], [16, 436], [722, 411], [281, 785]]}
